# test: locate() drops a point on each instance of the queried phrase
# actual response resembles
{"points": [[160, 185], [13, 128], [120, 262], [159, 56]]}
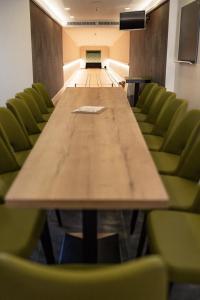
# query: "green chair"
{"points": [[40, 102], [151, 103], [31, 129], [176, 146], [175, 236], [14, 135], [153, 118], [170, 116], [8, 165], [148, 88], [183, 193], [40, 88], [183, 189], [141, 280], [20, 228], [32, 105], [25, 118]]}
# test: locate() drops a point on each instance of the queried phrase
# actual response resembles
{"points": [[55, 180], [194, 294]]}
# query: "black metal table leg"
{"points": [[47, 245], [134, 219], [90, 236], [137, 89]]}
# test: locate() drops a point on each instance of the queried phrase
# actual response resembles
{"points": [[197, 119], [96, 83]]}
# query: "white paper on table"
{"points": [[89, 109]]}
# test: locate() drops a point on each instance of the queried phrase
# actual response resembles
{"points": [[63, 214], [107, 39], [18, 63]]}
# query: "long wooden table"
{"points": [[89, 162]]}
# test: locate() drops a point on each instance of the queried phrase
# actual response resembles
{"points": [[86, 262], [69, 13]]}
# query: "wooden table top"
{"points": [[85, 161]]}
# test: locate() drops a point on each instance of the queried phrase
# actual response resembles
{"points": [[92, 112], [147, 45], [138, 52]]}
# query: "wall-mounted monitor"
{"points": [[189, 32], [132, 20]]}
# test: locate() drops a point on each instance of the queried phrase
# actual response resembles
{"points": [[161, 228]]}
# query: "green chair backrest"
{"points": [[196, 205], [30, 102], [179, 136], [141, 280], [166, 115], [143, 96], [8, 162], [40, 88], [13, 130], [152, 96], [178, 116], [24, 116], [189, 166], [38, 98], [158, 104]]}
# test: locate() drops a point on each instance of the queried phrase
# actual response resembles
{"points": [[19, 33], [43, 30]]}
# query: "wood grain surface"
{"points": [[97, 161], [148, 48], [47, 53]]}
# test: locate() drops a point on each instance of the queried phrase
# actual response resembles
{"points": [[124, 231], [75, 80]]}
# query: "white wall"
{"points": [[119, 55], [16, 71], [71, 56], [182, 78], [172, 45], [122, 69]]}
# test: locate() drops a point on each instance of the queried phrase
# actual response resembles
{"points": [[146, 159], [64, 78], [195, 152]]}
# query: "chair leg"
{"points": [[142, 238], [171, 286], [47, 244], [134, 218], [147, 250], [58, 217]]}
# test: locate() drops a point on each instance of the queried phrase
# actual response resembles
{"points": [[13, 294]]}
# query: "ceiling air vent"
{"points": [[97, 23]]}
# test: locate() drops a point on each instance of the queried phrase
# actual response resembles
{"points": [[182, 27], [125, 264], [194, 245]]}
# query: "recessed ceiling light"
{"points": [[71, 17], [127, 8], [67, 8]]}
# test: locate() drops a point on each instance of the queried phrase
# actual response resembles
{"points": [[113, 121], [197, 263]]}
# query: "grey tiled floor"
{"points": [[128, 246]]}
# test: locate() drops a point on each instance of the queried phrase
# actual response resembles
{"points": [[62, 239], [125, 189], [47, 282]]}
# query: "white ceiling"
{"points": [[92, 9], [94, 36], [98, 9]]}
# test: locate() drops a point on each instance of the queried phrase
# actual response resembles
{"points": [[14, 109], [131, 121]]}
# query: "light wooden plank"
{"points": [[89, 161], [91, 78]]}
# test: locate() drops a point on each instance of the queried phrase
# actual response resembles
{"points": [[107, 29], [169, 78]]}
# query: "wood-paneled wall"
{"points": [[148, 48], [46, 50]]}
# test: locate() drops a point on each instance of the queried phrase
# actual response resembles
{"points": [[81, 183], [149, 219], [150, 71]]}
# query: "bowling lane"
{"points": [[93, 78]]}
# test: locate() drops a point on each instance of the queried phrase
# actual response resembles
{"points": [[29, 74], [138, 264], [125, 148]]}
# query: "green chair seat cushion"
{"points": [[46, 117], [140, 117], [20, 229], [154, 142], [146, 127], [21, 156], [6, 180], [41, 125], [136, 109], [33, 138], [175, 236], [182, 192], [166, 163]]}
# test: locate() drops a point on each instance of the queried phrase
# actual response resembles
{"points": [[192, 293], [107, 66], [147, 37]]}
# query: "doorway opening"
{"points": [[93, 59]]}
